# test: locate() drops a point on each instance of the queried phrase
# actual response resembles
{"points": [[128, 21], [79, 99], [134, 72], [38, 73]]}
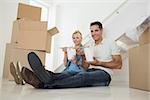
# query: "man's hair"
{"points": [[97, 23]]}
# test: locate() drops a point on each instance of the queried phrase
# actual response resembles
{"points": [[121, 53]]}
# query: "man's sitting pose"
{"points": [[99, 71]]}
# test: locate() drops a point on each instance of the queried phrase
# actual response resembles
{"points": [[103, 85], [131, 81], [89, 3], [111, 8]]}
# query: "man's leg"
{"points": [[45, 76], [97, 77], [30, 78], [73, 81], [38, 69], [83, 79], [62, 75]]}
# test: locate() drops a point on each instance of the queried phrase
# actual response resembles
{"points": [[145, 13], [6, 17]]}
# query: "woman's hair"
{"points": [[97, 23], [76, 32]]}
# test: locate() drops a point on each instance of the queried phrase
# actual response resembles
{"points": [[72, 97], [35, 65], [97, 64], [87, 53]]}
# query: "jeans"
{"points": [[92, 77], [62, 75]]}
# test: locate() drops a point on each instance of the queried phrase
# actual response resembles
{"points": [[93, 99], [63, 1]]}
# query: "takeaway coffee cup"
{"points": [[89, 54], [71, 52]]}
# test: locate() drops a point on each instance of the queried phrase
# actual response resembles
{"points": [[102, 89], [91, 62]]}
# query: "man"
{"points": [[106, 58]]}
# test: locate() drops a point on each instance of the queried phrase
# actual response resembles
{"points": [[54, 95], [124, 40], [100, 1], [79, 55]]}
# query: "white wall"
{"points": [[129, 17], [1, 59], [148, 12], [51, 24], [77, 16], [9, 9]]}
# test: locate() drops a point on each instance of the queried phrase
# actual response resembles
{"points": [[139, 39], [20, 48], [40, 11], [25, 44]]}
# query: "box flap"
{"points": [[50, 32], [145, 37], [53, 31]]}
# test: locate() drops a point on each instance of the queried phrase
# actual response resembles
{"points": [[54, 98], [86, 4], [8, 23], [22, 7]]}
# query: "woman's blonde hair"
{"points": [[76, 32]]}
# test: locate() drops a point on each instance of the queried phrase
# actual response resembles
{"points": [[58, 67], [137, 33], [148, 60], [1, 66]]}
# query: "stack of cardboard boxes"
{"points": [[29, 34], [139, 63]]}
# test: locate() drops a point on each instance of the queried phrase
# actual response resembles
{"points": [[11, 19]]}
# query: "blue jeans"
{"points": [[62, 75], [70, 70], [93, 77]]}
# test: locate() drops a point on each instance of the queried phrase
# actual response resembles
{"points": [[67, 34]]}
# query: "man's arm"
{"points": [[116, 62]]}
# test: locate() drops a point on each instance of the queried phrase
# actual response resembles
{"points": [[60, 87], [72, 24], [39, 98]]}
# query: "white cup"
{"points": [[89, 54], [71, 53]]}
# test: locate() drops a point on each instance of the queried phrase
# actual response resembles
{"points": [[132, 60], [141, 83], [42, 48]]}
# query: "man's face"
{"points": [[96, 32]]}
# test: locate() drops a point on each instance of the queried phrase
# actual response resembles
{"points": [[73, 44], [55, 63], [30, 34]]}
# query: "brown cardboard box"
{"points": [[139, 67], [29, 12], [33, 35], [145, 37], [28, 34], [13, 55]]}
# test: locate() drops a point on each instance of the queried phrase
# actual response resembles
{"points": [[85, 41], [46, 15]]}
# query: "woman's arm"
{"points": [[65, 56], [85, 64]]}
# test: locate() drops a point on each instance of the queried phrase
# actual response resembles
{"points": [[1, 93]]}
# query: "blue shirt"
{"points": [[72, 67]]}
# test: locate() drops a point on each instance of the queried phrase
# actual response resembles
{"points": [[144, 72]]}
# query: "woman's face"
{"points": [[77, 38]]}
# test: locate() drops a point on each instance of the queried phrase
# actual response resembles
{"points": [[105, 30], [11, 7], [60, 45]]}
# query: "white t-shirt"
{"points": [[104, 51]]}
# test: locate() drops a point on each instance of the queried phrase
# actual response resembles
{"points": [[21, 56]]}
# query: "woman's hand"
{"points": [[79, 51], [74, 59], [64, 49]]}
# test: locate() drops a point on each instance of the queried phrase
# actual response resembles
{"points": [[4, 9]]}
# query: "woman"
{"points": [[75, 63]]}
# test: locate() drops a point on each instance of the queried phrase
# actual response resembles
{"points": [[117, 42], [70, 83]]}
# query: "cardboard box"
{"points": [[29, 34], [29, 12], [145, 37], [139, 67], [13, 55], [33, 35]]}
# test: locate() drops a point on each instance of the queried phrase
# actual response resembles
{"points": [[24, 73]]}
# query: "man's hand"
{"points": [[115, 63], [95, 62]]}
